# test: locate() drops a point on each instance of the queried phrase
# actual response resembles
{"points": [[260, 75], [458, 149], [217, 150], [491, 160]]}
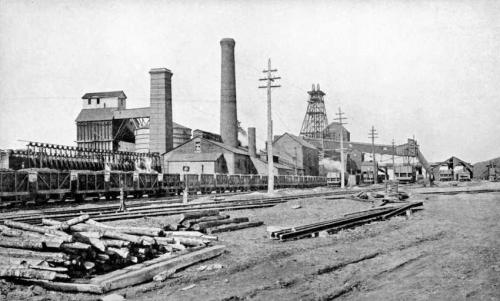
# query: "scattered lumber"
{"points": [[146, 272], [348, 221], [232, 227], [62, 255], [211, 221]]}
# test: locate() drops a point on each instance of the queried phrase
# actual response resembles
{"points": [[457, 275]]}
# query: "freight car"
{"points": [[41, 185]]}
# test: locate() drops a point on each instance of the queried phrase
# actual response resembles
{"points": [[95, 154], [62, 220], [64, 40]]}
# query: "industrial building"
{"points": [[453, 169], [325, 136], [105, 123], [298, 153]]}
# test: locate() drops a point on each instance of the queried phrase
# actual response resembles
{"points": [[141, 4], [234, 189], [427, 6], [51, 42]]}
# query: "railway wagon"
{"points": [[171, 184], [255, 182], [191, 183], [42, 185], [51, 184], [234, 183], [116, 179], [221, 183], [88, 184], [14, 186], [245, 182], [207, 183]]}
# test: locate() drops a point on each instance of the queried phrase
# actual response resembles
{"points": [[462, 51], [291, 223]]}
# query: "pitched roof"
{"points": [[119, 94], [228, 147], [261, 165], [298, 139], [100, 114], [193, 157], [95, 114], [132, 113]]}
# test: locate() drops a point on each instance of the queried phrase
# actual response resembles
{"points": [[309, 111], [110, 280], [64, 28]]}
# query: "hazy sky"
{"points": [[424, 68]]}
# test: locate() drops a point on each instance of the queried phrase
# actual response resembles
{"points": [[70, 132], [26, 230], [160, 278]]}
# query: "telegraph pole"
{"points": [[393, 165], [270, 166], [340, 120], [373, 134]]}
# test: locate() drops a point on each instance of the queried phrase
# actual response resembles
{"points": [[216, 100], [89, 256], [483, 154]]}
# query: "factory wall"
{"points": [[201, 167], [105, 102], [304, 158], [237, 163]]}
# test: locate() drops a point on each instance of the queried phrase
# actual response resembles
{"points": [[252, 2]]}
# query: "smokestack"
{"points": [[252, 149], [160, 120], [228, 115]]}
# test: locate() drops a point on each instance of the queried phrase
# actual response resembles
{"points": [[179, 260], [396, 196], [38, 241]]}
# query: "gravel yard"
{"points": [[448, 251]]}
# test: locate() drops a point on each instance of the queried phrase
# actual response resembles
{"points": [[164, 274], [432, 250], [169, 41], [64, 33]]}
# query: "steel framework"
{"points": [[315, 124]]}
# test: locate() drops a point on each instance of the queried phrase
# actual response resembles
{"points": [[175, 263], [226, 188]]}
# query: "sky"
{"points": [[429, 69]]}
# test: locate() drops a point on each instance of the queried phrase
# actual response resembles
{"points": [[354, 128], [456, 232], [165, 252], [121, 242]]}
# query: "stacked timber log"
{"points": [[348, 221], [211, 221], [58, 254]]}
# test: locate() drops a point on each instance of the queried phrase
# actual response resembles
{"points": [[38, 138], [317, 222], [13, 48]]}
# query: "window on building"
{"points": [[197, 146], [98, 100], [89, 101]]}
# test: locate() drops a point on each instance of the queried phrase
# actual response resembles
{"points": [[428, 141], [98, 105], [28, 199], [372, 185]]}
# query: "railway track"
{"points": [[131, 202], [161, 207]]}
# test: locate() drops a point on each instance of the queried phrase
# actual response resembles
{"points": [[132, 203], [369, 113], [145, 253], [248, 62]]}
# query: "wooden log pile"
{"points": [[66, 255], [211, 221]]}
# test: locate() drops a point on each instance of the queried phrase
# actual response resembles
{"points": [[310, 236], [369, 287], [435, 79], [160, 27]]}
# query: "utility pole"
{"points": [[340, 120], [270, 166], [393, 165], [373, 134]]}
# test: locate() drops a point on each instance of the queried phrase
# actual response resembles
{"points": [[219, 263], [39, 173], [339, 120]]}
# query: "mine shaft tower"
{"points": [[315, 124]]}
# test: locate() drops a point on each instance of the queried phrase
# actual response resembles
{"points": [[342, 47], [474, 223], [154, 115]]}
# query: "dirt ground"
{"points": [[449, 251]]}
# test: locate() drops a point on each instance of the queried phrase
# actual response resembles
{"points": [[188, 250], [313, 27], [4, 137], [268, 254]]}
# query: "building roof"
{"points": [[101, 114], [336, 125], [95, 114], [119, 94], [194, 157], [132, 113], [298, 139], [261, 165], [456, 161], [228, 147], [222, 145]]}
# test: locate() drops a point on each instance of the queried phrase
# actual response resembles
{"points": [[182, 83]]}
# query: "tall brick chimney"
{"points": [[160, 120], [252, 148], [228, 113]]}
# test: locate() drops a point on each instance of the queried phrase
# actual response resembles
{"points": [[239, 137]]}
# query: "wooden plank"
{"points": [[148, 231], [232, 227], [197, 214], [22, 272], [43, 230], [67, 286], [22, 243], [211, 224], [147, 273], [65, 225], [57, 257]]}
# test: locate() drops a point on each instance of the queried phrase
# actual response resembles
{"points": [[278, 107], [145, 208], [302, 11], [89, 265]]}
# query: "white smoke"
{"points": [[330, 165]]}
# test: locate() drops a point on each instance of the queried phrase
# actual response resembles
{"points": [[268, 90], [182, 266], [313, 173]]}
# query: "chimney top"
{"points": [[228, 41], [160, 70]]}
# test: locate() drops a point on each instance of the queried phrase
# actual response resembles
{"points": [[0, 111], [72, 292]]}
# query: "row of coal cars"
{"points": [[43, 184]]}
